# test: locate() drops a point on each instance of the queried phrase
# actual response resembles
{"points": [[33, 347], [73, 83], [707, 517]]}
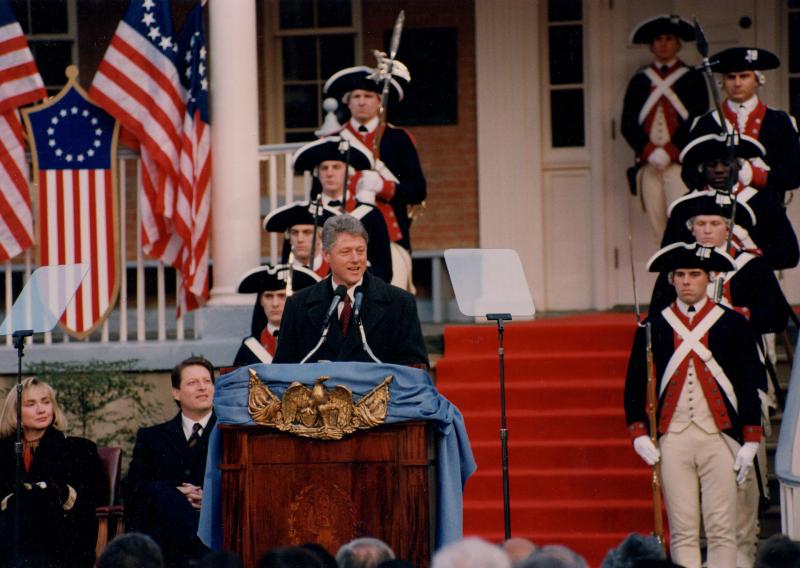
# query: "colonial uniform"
{"points": [[396, 160], [705, 364], [660, 103], [259, 346], [282, 219], [775, 129], [309, 157]]}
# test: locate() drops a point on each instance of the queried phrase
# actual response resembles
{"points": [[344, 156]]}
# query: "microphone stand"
{"points": [[319, 343], [19, 343], [360, 324], [503, 427]]}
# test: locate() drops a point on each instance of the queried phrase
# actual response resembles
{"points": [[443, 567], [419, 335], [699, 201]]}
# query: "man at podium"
{"points": [[351, 315]]}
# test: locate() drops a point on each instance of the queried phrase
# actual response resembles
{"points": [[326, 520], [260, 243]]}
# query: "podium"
{"points": [[278, 489]]}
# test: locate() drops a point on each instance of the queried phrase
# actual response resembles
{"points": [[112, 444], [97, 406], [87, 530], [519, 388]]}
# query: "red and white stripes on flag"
{"points": [[20, 84], [76, 212], [138, 83]]}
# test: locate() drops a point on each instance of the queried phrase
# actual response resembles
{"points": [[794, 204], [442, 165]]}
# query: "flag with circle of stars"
{"points": [[73, 143]]}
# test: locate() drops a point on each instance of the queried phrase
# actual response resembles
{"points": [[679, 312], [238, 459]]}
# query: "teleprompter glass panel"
{"points": [[334, 13], [794, 96], [566, 118], [293, 14], [564, 10], [566, 54], [300, 104], [299, 58]]}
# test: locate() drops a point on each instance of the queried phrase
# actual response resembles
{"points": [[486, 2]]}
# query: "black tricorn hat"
{"points": [[297, 213], [367, 79], [670, 24], [711, 202], [694, 255], [311, 155], [268, 278], [713, 146], [736, 59]]}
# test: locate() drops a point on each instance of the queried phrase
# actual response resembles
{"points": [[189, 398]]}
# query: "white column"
{"points": [[235, 229]]}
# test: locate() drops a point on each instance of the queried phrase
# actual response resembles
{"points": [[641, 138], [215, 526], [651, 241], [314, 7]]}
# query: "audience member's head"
{"points": [[325, 557], [778, 552], [632, 550], [470, 553], [363, 552], [518, 548], [553, 556], [396, 563], [220, 559], [290, 557], [650, 563], [131, 550]]}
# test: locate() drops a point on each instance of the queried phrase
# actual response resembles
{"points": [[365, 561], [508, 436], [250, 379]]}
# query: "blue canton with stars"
{"points": [[153, 20], [72, 134], [193, 64]]}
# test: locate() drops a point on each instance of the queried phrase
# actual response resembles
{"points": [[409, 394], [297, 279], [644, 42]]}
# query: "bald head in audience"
{"points": [[470, 553]]}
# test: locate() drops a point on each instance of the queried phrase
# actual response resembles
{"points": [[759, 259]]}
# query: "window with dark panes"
{"points": [[794, 57], [565, 73], [50, 28], [317, 38]]}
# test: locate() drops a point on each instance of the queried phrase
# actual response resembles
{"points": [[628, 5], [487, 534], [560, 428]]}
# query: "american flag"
{"points": [[20, 84], [139, 83], [71, 140], [193, 208]]}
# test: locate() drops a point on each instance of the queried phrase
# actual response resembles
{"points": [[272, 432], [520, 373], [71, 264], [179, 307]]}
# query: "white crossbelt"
{"points": [[691, 341], [663, 87], [379, 166], [258, 350]]}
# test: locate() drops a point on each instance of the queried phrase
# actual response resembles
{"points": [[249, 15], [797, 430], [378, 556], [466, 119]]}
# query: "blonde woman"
{"points": [[63, 483]]}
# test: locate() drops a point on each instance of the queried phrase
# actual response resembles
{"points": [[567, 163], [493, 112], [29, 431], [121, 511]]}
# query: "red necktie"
{"points": [[344, 317]]}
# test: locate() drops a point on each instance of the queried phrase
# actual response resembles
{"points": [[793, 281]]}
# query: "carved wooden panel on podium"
{"points": [[279, 489]]}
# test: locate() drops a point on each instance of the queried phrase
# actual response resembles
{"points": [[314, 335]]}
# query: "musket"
{"points": [[289, 290], [652, 404], [394, 45], [702, 48], [317, 213]]}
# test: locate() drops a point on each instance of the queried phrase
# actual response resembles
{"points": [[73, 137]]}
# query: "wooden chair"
{"points": [[112, 514]]}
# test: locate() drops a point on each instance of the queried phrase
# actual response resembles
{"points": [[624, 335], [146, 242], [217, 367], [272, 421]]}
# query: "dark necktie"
{"points": [[362, 129], [344, 317], [195, 437], [692, 309], [335, 203], [664, 69]]}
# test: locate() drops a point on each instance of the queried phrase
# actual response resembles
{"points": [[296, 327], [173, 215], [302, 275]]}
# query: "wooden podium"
{"points": [[279, 489]]}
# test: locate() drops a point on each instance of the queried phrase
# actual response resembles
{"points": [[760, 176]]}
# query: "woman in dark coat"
{"points": [[63, 481]]}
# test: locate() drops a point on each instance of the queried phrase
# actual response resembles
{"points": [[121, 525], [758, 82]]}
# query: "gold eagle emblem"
{"points": [[317, 412]]}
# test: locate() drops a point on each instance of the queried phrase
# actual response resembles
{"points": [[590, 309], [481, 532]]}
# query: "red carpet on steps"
{"points": [[573, 475]]}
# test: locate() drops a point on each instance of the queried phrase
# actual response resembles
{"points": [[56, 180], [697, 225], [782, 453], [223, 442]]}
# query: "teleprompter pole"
{"points": [[499, 318]]}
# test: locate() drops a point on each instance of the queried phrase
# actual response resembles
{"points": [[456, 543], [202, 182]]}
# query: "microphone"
{"points": [[358, 299], [338, 296]]}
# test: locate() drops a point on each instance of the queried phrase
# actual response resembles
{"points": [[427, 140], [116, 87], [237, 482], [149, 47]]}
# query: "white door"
{"points": [[723, 28]]}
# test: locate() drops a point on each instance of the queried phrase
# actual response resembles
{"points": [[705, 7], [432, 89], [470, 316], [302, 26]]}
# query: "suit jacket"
{"points": [[733, 345], [65, 537], [390, 321], [162, 460]]}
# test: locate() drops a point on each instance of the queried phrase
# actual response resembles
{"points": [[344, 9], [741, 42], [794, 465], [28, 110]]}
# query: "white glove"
{"points": [[370, 181], [744, 460], [646, 449], [745, 172], [659, 158], [364, 196]]}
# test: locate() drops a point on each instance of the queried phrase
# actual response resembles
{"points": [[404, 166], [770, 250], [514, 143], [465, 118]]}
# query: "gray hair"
{"points": [[471, 552], [131, 550], [554, 556], [363, 552], [338, 224], [634, 548]]}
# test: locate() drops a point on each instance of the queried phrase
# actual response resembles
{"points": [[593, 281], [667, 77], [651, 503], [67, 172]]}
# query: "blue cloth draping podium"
{"points": [[413, 397]]}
